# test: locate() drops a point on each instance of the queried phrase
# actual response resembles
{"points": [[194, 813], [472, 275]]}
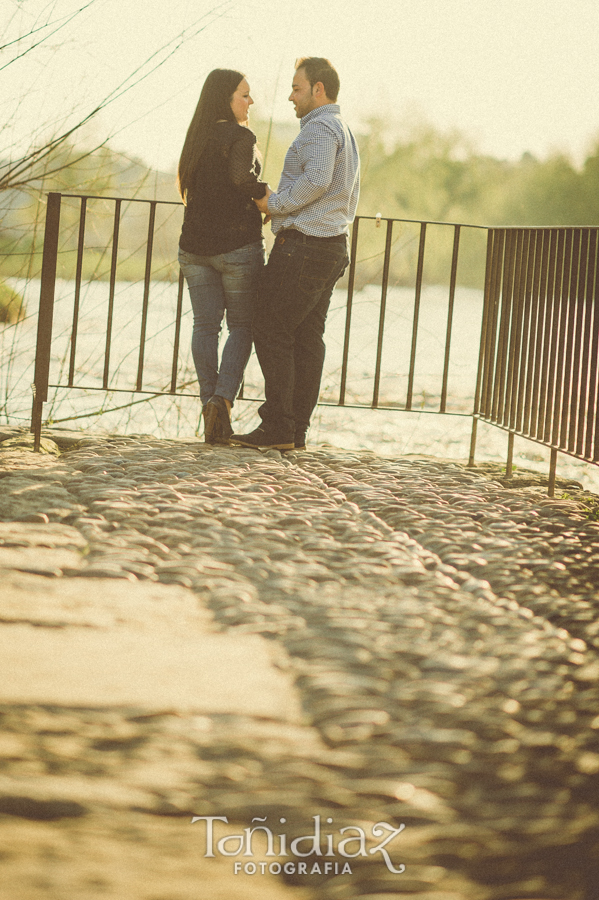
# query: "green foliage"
{"points": [[417, 172], [422, 173], [103, 173], [589, 506], [427, 174], [12, 308]]}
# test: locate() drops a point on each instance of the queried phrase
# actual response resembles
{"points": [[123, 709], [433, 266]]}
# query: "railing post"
{"points": [[383, 307], [417, 297], [452, 285], [113, 266], [178, 338], [353, 259], [78, 273], [45, 316], [552, 471], [473, 441], [509, 463], [144, 311]]}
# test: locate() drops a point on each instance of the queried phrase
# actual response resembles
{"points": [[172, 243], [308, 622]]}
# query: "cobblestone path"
{"points": [[441, 631]]}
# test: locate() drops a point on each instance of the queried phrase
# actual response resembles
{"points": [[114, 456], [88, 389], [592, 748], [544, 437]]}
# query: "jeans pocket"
{"points": [[249, 258], [322, 268]]}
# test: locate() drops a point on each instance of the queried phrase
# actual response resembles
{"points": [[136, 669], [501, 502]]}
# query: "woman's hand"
{"points": [[262, 202]]}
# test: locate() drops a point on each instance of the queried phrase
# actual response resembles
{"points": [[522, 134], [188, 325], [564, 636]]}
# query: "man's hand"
{"points": [[262, 203]]}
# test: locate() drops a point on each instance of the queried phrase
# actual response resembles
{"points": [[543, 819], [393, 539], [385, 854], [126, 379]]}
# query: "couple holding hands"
{"points": [[281, 306]]}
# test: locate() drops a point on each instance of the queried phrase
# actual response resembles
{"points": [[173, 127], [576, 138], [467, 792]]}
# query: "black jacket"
{"points": [[220, 214]]}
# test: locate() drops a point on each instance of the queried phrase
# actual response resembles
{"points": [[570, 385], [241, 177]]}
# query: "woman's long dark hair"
{"points": [[214, 104]]}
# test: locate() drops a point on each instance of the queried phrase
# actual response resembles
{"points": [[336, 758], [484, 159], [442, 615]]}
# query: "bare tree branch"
{"points": [[25, 169], [64, 21]]}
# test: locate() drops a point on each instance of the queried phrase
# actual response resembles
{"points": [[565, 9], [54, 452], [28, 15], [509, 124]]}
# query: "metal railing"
{"points": [[540, 339], [423, 227], [535, 360], [47, 296]]}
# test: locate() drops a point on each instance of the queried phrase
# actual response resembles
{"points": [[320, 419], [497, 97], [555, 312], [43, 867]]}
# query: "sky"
{"points": [[511, 75]]}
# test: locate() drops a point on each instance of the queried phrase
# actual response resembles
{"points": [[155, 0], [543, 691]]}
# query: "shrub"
{"points": [[12, 308]]}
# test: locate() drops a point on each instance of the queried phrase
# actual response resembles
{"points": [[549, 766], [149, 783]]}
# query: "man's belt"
{"points": [[292, 234]]}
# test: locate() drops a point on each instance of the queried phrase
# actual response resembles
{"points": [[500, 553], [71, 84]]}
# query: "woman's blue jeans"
{"points": [[219, 285]]}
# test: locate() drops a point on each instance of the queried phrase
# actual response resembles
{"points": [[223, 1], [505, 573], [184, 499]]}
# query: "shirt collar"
{"points": [[327, 109]]}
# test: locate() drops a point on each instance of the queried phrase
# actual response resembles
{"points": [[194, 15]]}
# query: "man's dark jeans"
{"points": [[288, 327]]}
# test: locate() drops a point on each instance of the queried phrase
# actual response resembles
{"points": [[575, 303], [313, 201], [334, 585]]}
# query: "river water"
{"points": [[390, 432]]}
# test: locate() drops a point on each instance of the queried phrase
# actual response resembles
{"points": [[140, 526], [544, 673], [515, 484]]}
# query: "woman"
{"points": [[221, 250]]}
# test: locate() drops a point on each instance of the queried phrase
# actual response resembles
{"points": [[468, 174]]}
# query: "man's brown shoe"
{"points": [[262, 440]]}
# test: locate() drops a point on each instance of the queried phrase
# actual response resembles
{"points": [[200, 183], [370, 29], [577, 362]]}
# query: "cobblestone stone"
{"points": [[441, 629]]}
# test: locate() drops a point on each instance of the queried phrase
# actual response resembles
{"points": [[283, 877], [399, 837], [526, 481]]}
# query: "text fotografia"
{"points": [[349, 843]]}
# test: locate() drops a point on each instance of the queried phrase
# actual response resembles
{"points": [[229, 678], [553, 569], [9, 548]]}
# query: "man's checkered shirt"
{"points": [[319, 187]]}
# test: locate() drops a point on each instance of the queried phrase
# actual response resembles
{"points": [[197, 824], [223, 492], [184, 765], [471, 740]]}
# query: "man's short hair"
{"points": [[317, 68]]}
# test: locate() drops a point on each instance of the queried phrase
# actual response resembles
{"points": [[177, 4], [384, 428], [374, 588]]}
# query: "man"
{"points": [[311, 212]]}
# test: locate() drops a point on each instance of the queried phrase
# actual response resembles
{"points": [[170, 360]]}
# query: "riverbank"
{"points": [[194, 631]]}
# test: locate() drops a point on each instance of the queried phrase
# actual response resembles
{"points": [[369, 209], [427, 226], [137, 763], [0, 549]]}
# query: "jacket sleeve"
{"points": [[316, 152], [244, 167]]}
